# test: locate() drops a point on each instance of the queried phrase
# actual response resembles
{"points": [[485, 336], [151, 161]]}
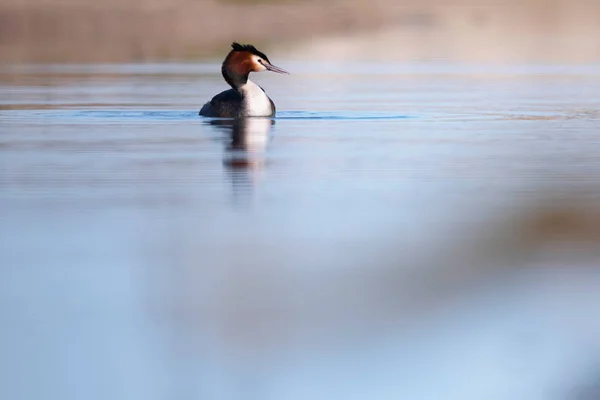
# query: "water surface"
{"points": [[385, 236]]}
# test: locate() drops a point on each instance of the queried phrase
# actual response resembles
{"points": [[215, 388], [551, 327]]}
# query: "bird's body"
{"points": [[232, 104], [245, 98]]}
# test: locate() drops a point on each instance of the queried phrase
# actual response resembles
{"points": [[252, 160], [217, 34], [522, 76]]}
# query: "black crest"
{"points": [[248, 47]]}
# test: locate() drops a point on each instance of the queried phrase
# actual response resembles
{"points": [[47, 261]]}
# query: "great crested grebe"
{"points": [[245, 99]]}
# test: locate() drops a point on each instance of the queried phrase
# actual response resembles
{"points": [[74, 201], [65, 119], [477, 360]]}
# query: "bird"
{"points": [[245, 98]]}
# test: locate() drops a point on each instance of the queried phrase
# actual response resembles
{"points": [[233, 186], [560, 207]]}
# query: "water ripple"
{"points": [[179, 115]]}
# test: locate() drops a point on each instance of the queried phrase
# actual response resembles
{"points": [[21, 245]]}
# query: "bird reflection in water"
{"points": [[245, 151]]}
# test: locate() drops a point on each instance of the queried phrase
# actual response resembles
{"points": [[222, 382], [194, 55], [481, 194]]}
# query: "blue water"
{"points": [[397, 231]]}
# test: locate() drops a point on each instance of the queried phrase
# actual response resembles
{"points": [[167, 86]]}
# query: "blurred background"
{"points": [[420, 221], [461, 30]]}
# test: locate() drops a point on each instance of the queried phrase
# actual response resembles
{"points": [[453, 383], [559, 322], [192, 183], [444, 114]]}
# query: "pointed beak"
{"points": [[271, 67]]}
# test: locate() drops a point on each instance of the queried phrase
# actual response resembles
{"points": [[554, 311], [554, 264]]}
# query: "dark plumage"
{"points": [[227, 104], [248, 47]]}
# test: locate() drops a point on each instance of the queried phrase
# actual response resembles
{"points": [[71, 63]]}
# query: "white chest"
{"points": [[255, 102]]}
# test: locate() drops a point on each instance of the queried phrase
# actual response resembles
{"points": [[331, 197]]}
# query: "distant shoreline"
{"points": [[150, 30]]}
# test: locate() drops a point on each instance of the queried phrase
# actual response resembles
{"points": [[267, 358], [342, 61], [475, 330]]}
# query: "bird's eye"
{"points": [[260, 61]]}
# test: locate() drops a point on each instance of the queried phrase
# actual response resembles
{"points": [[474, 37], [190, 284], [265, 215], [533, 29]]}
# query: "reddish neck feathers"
{"points": [[236, 67]]}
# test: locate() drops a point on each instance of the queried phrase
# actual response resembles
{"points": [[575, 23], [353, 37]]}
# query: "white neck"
{"points": [[255, 102]]}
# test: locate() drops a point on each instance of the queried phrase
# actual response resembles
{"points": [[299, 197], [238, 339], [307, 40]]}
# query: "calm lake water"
{"points": [[398, 231]]}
